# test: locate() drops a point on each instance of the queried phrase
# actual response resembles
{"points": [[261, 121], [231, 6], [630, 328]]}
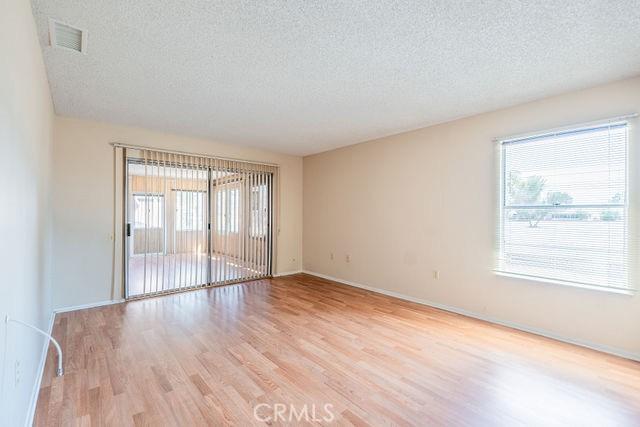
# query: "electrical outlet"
{"points": [[347, 258], [331, 256], [436, 274]]}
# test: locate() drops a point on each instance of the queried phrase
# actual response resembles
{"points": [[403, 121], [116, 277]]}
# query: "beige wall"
{"points": [[406, 205], [26, 117], [83, 180]]}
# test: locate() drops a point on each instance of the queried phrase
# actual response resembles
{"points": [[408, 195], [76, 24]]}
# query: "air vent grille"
{"points": [[67, 37]]}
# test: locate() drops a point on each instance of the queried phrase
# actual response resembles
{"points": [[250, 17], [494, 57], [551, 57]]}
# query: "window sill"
{"points": [[628, 292]]}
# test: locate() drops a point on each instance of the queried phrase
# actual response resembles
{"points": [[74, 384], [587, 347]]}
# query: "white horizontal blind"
{"points": [[563, 213]]}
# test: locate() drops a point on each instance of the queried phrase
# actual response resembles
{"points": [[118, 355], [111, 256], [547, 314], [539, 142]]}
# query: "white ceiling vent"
{"points": [[67, 37]]}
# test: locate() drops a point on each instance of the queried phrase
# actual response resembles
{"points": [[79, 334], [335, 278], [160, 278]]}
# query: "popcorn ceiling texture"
{"points": [[301, 77]]}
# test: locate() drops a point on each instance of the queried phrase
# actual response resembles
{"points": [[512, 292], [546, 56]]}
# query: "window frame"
{"points": [[258, 220], [503, 208], [227, 223], [149, 196], [194, 212]]}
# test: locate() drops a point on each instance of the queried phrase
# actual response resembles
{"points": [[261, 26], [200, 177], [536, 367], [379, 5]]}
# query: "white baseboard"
{"points": [[90, 305], [602, 348], [287, 273], [36, 387]]}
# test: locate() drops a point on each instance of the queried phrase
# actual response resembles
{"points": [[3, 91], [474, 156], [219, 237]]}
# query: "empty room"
{"points": [[367, 213]]}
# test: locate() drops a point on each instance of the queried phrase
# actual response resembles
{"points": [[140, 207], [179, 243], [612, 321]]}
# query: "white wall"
{"points": [[83, 180], [26, 115], [409, 204]]}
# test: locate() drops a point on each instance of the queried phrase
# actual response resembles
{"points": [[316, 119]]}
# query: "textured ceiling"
{"points": [[302, 77]]}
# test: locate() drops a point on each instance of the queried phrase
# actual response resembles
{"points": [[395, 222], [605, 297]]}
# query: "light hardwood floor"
{"points": [[159, 273], [208, 357]]}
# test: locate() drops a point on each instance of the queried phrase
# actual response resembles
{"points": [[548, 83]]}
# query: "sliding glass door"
{"points": [[194, 221]]}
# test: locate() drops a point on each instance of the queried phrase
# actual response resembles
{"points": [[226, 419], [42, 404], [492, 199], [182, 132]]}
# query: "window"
{"points": [[190, 210], [259, 210], [563, 214], [227, 210], [148, 211]]}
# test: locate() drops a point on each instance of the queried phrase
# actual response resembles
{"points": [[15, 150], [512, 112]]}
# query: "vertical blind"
{"points": [[563, 214], [191, 221]]}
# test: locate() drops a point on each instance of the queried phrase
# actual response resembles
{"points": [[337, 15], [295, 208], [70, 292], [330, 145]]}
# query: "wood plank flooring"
{"points": [[298, 345], [159, 273]]}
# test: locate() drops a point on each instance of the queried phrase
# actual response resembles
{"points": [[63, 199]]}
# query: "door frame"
{"points": [[271, 234]]}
